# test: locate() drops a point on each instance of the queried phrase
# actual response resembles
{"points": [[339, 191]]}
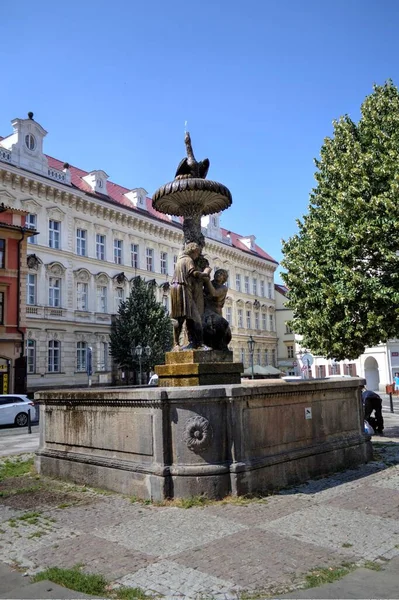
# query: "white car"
{"points": [[14, 409]]}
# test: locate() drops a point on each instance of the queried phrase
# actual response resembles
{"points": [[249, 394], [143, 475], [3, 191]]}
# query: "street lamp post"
{"points": [[251, 346], [139, 350]]}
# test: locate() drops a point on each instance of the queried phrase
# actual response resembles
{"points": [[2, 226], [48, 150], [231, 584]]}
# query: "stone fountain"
{"points": [[225, 438], [197, 302]]}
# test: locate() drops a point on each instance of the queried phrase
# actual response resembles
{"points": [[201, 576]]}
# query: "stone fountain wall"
{"points": [[157, 443]]}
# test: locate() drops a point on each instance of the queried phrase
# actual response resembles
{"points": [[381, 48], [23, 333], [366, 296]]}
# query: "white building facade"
{"points": [[377, 365], [94, 238]]}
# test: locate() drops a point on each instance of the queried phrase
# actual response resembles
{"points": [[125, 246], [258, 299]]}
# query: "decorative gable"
{"points": [[26, 145]]}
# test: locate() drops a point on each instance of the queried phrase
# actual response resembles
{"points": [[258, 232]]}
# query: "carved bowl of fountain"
{"points": [[183, 196]]}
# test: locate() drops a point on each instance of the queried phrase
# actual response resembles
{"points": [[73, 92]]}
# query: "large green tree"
{"points": [[343, 265], [141, 320]]}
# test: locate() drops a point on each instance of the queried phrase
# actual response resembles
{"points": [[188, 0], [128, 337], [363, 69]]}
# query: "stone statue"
{"points": [[189, 166], [184, 297], [216, 329]]}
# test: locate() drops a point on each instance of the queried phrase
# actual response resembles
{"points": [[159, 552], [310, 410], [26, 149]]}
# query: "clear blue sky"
{"points": [[259, 82]]}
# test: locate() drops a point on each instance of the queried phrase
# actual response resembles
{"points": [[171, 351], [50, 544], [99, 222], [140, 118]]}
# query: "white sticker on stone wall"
{"points": [[308, 412]]}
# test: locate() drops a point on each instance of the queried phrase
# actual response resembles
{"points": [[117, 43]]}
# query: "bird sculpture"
{"points": [[189, 166]]}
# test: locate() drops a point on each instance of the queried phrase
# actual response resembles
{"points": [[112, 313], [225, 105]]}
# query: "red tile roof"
{"points": [[115, 195], [281, 288]]}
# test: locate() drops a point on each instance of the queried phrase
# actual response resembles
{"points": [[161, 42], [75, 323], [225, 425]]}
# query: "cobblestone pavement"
{"points": [[219, 551]]}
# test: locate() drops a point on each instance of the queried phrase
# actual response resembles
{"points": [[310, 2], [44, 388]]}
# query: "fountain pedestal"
{"points": [[199, 367]]}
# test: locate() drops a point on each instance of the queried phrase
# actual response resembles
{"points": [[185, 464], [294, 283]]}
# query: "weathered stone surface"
{"points": [[199, 356], [212, 440]]}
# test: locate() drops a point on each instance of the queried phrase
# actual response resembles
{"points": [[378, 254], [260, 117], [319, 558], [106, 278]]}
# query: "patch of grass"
{"points": [[36, 534], [65, 505], [15, 468], [127, 593], [74, 579], [200, 501], [321, 576], [97, 585], [2, 531], [347, 545], [374, 566]]}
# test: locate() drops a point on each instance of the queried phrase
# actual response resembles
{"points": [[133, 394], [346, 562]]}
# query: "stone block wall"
{"points": [[177, 442]]}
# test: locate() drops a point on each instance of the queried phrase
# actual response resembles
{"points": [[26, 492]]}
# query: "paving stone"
{"points": [[256, 559], [371, 500], [96, 556], [370, 536], [7, 513], [390, 481], [254, 513], [171, 579], [169, 532], [109, 510]]}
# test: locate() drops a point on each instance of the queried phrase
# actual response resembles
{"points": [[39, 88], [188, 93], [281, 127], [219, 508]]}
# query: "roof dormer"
{"points": [[97, 180], [249, 242], [137, 197], [212, 225]]}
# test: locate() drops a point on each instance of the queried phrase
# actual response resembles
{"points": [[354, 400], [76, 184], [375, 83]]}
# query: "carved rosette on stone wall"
{"points": [[197, 433], [33, 262]]}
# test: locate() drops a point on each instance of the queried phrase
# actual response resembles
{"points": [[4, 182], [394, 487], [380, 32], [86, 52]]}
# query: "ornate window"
{"points": [[255, 286], [288, 328], [228, 314], [238, 282], [240, 318], [30, 142], [31, 356], [164, 263], [31, 222], [258, 354], [271, 322], [269, 289], [249, 323], [134, 252], [54, 291], [266, 357], [81, 356], [118, 251], [246, 284], [54, 351], [150, 259], [119, 297], [82, 296], [102, 293], [100, 246], [102, 363], [54, 230], [264, 321], [257, 321], [262, 288], [31, 289], [174, 261], [273, 358], [290, 351], [81, 242]]}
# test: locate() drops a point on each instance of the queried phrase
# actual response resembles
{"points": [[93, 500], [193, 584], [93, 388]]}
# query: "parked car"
{"points": [[14, 409]]}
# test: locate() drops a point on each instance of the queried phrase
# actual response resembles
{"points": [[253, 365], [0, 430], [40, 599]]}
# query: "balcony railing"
{"points": [[5, 155]]}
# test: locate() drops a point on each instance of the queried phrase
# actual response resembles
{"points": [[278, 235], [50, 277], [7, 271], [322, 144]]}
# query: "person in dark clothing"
{"points": [[372, 402]]}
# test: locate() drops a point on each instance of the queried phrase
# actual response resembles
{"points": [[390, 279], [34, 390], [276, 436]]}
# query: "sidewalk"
{"points": [[219, 551]]}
